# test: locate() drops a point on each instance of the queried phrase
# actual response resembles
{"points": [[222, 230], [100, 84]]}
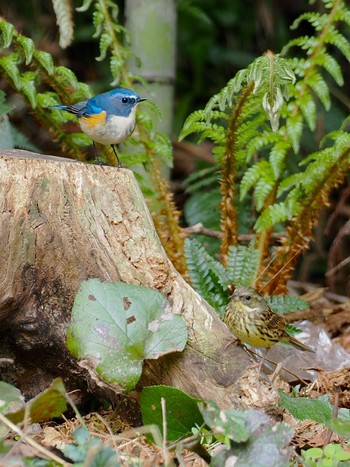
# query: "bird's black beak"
{"points": [[141, 99]]}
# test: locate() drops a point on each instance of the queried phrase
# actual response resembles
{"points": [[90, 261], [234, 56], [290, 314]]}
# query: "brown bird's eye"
{"points": [[248, 297]]}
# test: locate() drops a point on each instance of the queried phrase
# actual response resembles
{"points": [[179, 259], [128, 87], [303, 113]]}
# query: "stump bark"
{"points": [[63, 222]]}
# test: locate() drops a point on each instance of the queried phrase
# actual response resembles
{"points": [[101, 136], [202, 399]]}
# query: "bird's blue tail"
{"points": [[60, 107]]}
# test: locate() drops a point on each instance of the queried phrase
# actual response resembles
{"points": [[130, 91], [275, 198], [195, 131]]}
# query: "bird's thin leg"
{"points": [[116, 155], [97, 160]]}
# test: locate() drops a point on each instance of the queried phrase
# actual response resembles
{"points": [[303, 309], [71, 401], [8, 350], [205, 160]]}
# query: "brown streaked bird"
{"points": [[250, 318]]}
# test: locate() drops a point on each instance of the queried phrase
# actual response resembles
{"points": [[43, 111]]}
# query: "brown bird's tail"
{"points": [[297, 344]]}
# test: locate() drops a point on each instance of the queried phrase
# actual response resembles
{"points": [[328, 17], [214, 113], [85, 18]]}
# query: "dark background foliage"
{"points": [[215, 40]]}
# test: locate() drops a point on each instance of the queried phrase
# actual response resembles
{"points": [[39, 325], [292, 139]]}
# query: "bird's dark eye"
{"points": [[248, 297], [125, 100]]}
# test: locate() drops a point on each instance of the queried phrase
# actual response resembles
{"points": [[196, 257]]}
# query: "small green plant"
{"points": [[332, 455]]}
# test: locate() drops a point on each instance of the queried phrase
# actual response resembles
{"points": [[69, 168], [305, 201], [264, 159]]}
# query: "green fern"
{"points": [[242, 265], [207, 275], [258, 139], [286, 303]]}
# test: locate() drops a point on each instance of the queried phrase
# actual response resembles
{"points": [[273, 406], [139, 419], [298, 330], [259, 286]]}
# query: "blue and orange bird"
{"points": [[107, 118]]}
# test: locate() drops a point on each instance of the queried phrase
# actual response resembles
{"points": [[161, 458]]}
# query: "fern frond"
{"points": [[277, 157], [242, 265], [272, 215], [329, 63], [315, 81], [252, 176], [286, 303], [64, 19], [337, 39], [294, 126], [264, 188], [201, 179], [225, 97], [308, 107], [317, 20], [207, 275], [26, 47]]}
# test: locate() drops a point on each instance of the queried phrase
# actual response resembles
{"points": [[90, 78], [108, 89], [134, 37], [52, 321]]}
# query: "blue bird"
{"points": [[108, 118]]}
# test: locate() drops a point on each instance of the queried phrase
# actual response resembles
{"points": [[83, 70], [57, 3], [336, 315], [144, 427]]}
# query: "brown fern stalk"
{"points": [[296, 244], [299, 231], [229, 223]]}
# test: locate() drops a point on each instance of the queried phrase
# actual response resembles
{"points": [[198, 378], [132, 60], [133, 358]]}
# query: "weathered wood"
{"points": [[63, 222]]}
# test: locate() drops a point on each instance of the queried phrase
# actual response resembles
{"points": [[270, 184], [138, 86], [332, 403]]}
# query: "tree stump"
{"points": [[63, 222]]}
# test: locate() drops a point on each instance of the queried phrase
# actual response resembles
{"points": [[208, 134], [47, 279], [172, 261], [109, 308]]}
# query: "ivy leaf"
{"points": [[115, 326], [182, 412]]}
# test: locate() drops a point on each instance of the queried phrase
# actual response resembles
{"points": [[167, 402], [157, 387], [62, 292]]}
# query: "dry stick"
{"points": [[109, 429], [31, 441], [165, 450], [275, 363], [200, 229], [336, 390], [290, 259], [338, 266]]}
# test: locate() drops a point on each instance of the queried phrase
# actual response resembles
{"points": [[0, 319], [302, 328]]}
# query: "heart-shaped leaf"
{"points": [[115, 326]]}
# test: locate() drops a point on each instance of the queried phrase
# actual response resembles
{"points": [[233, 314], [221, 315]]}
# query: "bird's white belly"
{"points": [[113, 131]]}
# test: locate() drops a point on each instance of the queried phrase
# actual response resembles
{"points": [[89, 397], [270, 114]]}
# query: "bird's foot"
{"points": [[101, 163]]}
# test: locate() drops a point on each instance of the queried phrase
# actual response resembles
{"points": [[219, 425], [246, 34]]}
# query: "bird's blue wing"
{"points": [[78, 109]]}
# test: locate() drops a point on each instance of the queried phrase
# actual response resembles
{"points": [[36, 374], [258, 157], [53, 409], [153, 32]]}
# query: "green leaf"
{"points": [[304, 408], [9, 397], [182, 412], [340, 426], [336, 452], [89, 451], [256, 441], [49, 404], [234, 424], [115, 326]]}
